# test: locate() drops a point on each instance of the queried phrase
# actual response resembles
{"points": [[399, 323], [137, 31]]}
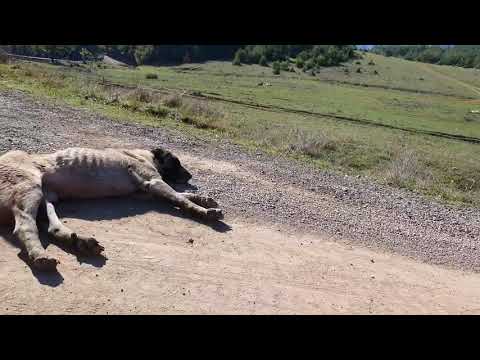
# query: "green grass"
{"points": [[301, 92], [446, 169]]}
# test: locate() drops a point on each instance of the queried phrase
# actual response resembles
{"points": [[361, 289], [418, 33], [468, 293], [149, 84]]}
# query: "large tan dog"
{"points": [[28, 180]]}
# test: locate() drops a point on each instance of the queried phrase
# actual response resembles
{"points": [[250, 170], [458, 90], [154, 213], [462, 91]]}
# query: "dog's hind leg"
{"points": [[162, 190], [60, 232], [25, 210]]}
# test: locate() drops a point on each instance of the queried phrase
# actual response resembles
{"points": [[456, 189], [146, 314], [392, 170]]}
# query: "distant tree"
{"points": [[85, 54], [276, 67], [143, 54], [187, 59], [263, 61], [458, 55], [236, 60]]}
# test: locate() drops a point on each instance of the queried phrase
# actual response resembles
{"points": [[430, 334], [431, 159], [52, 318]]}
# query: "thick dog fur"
{"points": [[30, 180]]}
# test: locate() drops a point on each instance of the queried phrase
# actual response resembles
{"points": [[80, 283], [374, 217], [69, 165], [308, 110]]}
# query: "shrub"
{"points": [[140, 95], [201, 108], [201, 115], [132, 105], [404, 170], [276, 68], [309, 64], [300, 62], [173, 101], [263, 61], [236, 60], [284, 66], [157, 110], [3, 57], [312, 145], [151, 76], [240, 57]]}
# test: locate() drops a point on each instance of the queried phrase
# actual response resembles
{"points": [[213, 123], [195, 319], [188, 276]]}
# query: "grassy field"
{"points": [[295, 113]]}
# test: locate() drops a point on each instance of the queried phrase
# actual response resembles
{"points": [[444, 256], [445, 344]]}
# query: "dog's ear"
{"points": [[160, 154]]}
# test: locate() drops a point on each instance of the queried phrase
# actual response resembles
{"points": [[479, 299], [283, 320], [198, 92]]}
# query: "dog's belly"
{"points": [[89, 184]]}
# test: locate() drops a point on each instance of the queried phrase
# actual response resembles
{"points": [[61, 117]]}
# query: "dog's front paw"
{"points": [[214, 214], [45, 263], [87, 246]]}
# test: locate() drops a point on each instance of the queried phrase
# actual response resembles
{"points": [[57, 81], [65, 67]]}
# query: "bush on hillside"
{"points": [[263, 61], [3, 57], [236, 60], [276, 68]]}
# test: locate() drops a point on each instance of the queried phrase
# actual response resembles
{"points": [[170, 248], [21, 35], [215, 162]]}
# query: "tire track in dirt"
{"points": [[450, 78], [318, 115]]}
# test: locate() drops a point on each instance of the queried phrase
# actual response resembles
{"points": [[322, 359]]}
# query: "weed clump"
{"points": [[140, 95], [313, 145], [173, 101], [201, 115], [405, 170], [3, 57], [157, 110]]}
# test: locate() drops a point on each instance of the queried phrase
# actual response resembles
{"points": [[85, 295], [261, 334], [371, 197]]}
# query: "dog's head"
{"points": [[170, 167]]}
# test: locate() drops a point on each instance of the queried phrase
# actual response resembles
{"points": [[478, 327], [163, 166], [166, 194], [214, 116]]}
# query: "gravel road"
{"points": [[258, 187]]}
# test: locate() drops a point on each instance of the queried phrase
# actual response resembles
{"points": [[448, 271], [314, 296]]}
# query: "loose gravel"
{"points": [[348, 209]]}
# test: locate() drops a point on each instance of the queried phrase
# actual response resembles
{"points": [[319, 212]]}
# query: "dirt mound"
{"points": [[112, 62]]}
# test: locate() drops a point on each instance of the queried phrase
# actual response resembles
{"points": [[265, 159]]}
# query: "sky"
{"points": [[365, 46]]}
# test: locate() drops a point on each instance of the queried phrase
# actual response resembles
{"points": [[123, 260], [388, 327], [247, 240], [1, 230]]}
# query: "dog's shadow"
{"points": [[52, 279], [94, 210], [122, 207]]}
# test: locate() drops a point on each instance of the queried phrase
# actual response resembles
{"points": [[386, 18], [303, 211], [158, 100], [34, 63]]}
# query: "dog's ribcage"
{"points": [[76, 173]]}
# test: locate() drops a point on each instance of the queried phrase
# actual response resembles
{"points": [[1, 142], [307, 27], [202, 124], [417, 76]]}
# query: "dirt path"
{"points": [[251, 269], [269, 256]]}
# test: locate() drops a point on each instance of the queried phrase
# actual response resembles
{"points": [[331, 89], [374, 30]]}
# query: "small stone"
{"points": [[190, 241], [372, 261], [372, 277]]}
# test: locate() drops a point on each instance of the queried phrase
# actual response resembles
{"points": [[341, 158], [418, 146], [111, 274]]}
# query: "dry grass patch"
{"points": [[202, 115], [406, 170], [313, 145], [173, 101]]}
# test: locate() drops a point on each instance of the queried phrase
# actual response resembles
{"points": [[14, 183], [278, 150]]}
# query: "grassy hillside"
{"points": [[372, 124]]}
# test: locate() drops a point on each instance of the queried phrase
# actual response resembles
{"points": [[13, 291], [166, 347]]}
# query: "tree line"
{"points": [[467, 56], [308, 56]]}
